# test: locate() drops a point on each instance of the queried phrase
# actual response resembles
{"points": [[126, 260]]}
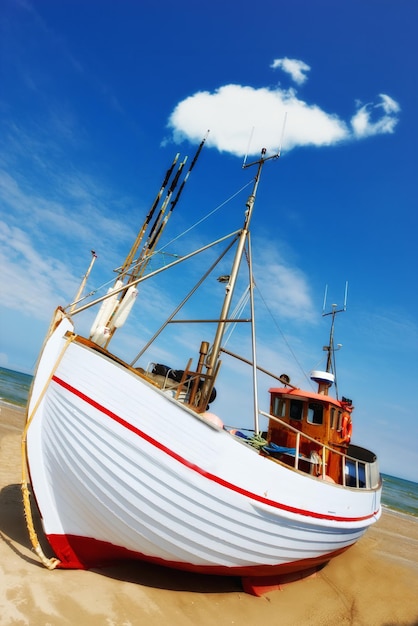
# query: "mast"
{"points": [[213, 361], [253, 340], [330, 349]]}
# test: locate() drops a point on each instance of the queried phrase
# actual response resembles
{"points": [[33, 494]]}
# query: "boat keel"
{"points": [[259, 585]]}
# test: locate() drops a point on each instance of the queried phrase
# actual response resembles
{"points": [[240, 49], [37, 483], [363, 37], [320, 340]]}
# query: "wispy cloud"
{"points": [[369, 119], [48, 224], [285, 285], [297, 69], [31, 281], [17, 50], [231, 111]]}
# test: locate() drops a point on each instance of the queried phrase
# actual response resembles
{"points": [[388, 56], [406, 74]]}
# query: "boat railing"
{"points": [[355, 472]]}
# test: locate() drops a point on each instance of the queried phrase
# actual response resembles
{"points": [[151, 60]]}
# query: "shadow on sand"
{"points": [[14, 533]]}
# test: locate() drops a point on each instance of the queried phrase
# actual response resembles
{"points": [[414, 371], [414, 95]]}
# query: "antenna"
{"points": [[275, 155], [334, 306], [325, 300], [282, 135], [248, 147], [345, 295]]}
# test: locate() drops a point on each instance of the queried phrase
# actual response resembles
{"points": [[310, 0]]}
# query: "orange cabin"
{"points": [[304, 418]]}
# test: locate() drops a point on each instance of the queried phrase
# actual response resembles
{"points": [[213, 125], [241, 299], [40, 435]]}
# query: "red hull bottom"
{"points": [[77, 552], [257, 586]]}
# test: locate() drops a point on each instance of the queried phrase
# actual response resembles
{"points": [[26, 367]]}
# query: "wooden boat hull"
{"points": [[120, 469]]}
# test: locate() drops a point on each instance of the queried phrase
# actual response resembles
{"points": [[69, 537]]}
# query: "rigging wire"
{"points": [[160, 250], [203, 219], [239, 309], [236, 314], [284, 337]]}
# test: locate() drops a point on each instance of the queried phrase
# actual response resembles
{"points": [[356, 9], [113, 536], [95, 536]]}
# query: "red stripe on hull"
{"points": [[202, 472], [85, 553]]}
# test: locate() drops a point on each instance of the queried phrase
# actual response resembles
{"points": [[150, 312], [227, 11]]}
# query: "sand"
{"points": [[375, 583]]}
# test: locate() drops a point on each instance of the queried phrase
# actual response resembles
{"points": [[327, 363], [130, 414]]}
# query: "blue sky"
{"points": [[97, 97]]}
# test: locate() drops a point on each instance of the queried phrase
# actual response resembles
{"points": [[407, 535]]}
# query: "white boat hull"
{"points": [[120, 469]]}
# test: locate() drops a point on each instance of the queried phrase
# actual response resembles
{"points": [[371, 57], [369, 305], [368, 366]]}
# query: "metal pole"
{"points": [[253, 339], [84, 281], [229, 291]]}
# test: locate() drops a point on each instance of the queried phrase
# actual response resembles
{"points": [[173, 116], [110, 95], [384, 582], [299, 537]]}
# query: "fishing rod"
{"points": [[145, 255], [167, 200], [129, 259], [193, 163], [150, 246], [174, 184], [115, 310], [180, 191]]}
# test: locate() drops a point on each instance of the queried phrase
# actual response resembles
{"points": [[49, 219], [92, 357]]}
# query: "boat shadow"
{"points": [[159, 577], [14, 533], [13, 530]]}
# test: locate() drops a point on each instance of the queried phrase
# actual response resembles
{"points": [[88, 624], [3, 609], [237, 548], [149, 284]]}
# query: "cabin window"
{"points": [[296, 409], [334, 418], [315, 413], [279, 407], [355, 474], [340, 421]]}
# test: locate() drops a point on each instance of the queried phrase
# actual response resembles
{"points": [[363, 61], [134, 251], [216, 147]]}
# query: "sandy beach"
{"points": [[375, 583]]}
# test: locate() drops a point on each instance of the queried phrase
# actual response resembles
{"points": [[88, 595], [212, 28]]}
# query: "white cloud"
{"points": [[364, 126], [232, 111], [294, 67]]}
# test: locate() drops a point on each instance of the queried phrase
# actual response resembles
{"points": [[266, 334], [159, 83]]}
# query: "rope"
{"points": [[257, 441], [50, 563]]}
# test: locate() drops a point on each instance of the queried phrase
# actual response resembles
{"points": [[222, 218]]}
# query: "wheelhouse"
{"points": [[311, 432]]}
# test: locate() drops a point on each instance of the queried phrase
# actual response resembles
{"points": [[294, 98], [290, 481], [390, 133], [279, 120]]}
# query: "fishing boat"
{"points": [[131, 461]]}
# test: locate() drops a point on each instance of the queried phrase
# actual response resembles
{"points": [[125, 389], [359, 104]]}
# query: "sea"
{"points": [[398, 494]]}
